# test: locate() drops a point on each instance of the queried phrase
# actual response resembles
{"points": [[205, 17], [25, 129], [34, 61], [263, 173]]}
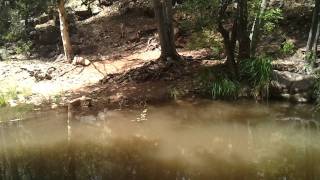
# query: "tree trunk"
{"points": [[256, 27], [163, 12], [243, 35], [314, 25], [229, 41], [315, 46], [65, 31]]}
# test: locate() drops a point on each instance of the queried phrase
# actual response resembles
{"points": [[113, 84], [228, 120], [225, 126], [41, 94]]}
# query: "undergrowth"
{"points": [[225, 88], [287, 48], [11, 92], [7, 95], [257, 72], [206, 39], [218, 85]]}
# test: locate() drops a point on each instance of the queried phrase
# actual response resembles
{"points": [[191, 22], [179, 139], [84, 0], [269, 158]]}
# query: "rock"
{"points": [[3, 54], [292, 86], [21, 98], [80, 61], [48, 35], [301, 98], [293, 81], [83, 14], [80, 102], [105, 3], [42, 19], [54, 106], [18, 57], [12, 103]]}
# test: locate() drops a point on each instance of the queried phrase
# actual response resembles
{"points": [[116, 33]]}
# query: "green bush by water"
{"points": [[258, 74], [11, 92], [225, 88], [218, 85], [6, 96]]}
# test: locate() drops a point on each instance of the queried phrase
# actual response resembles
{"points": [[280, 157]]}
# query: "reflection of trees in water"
{"points": [[137, 158]]}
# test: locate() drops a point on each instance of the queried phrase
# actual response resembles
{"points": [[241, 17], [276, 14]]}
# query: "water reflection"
{"points": [[177, 141]]}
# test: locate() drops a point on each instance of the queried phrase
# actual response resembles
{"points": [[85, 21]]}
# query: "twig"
{"points": [[68, 71]]}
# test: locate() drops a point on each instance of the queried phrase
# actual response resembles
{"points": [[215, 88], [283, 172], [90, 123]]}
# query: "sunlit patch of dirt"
{"points": [[99, 40]]}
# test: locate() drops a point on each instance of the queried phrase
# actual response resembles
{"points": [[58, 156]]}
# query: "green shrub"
{"points": [[23, 47], [287, 48], [258, 73], [16, 30], [271, 19]]}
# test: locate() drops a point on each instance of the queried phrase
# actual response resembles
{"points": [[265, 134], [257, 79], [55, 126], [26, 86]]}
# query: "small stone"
{"points": [[21, 98], [285, 95], [80, 61], [12, 103], [54, 106], [299, 98]]}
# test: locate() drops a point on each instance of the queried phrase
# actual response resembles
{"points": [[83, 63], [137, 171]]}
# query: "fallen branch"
{"points": [[65, 72]]}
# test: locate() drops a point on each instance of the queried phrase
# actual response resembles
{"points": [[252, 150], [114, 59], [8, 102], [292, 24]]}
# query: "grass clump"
{"points": [[6, 96], [3, 100], [174, 93], [218, 85], [257, 72], [11, 92], [224, 88]]}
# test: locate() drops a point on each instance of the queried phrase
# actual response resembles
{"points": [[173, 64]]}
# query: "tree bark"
{"points": [[243, 35], [163, 12], [229, 41], [65, 31], [315, 46], [256, 27], [314, 26]]}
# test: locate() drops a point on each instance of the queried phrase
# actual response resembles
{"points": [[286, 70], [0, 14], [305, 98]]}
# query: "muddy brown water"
{"points": [[181, 141]]}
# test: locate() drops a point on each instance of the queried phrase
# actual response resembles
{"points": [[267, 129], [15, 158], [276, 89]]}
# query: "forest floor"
{"points": [[124, 71], [42, 80]]}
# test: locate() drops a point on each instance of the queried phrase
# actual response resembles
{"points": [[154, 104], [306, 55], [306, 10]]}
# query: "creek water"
{"points": [[180, 141]]}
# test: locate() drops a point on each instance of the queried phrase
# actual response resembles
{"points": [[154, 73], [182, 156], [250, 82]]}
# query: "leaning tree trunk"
{"points": [[65, 31], [163, 12], [256, 27], [243, 36]]}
